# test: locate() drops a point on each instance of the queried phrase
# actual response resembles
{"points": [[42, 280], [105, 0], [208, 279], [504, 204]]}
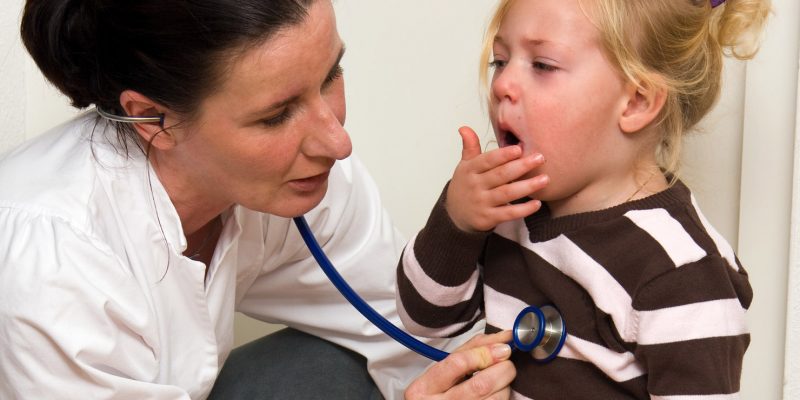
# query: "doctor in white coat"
{"points": [[126, 245]]}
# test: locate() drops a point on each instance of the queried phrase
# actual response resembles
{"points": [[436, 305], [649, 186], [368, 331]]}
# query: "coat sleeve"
{"points": [[357, 235], [72, 322]]}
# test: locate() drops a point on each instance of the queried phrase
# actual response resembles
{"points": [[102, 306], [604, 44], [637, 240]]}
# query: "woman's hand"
{"points": [[484, 185], [483, 361]]}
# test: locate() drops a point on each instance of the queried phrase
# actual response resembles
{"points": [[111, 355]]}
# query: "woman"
{"points": [[129, 243]]}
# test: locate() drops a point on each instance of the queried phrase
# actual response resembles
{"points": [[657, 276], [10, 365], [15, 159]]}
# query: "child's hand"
{"points": [[483, 185]]}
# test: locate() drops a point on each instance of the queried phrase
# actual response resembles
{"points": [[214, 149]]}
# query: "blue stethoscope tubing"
{"points": [[540, 331], [378, 320]]}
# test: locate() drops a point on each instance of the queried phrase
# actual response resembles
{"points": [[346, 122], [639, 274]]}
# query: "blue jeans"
{"points": [[290, 364]]}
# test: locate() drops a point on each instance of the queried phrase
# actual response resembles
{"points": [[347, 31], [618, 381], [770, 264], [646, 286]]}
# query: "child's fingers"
{"points": [[506, 193], [471, 145], [471, 148], [511, 170], [495, 158], [515, 211]]}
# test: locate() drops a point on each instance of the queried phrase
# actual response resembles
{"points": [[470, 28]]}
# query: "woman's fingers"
{"points": [[446, 379], [490, 383], [447, 373], [487, 339]]}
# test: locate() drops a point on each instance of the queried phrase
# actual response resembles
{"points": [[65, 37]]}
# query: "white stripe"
{"points": [[692, 321], [620, 367], [723, 247], [606, 292], [669, 233], [501, 309], [430, 290], [734, 396], [416, 329]]}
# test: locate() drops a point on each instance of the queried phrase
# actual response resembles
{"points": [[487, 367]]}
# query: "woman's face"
{"points": [[268, 137], [554, 92]]}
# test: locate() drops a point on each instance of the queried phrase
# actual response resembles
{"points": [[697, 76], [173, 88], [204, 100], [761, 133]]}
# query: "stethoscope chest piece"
{"points": [[540, 331]]}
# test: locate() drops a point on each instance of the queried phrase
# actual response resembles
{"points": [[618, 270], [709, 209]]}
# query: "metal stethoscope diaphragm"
{"points": [[539, 331]]}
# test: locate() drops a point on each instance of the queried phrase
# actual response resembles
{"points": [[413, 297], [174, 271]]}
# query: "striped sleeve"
{"points": [[438, 278], [695, 348], [691, 331]]}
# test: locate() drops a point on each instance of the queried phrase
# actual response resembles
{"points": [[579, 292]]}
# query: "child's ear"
{"points": [[644, 103], [139, 105]]}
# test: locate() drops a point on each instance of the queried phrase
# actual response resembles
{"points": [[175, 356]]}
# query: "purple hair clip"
{"points": [[715, 3]]}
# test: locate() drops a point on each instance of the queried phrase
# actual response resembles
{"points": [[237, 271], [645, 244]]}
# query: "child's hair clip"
{"points": [[715, 3]]}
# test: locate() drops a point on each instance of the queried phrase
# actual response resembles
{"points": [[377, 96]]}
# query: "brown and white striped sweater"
{"points": [[653, 298]]}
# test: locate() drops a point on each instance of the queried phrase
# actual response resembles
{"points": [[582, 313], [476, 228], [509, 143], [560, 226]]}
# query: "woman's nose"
{"points": [[328, 139]]}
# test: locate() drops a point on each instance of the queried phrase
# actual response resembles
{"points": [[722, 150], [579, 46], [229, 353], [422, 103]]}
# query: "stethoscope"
{"points": [[538, 331]]}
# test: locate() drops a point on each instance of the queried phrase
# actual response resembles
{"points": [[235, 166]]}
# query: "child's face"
{"points": [[555, 92]]}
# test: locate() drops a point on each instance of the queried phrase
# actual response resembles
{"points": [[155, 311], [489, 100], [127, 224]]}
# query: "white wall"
{"points": [[766, 196], [12, 89], [411, 73]]}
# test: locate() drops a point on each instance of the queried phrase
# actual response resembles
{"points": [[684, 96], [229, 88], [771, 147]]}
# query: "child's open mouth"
{"points": [[509, 139]]}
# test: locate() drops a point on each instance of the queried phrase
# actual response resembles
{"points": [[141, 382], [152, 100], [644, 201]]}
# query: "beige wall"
{"points": [[411, 82]]}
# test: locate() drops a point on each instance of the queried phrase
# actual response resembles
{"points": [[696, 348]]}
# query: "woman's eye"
{"points": [[278, 119], [544, 67], [335, 74]]}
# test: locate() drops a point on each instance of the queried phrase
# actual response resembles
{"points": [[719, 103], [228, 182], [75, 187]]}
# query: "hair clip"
{"points": [[130, 120], [715, 3]]}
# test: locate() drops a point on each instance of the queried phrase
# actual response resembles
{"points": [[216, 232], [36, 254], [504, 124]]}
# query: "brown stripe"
{"points": [[701, 367], [571, 379], [705, 280]]}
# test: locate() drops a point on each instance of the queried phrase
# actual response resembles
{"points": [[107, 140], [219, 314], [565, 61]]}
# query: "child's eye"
{"points": [[544, 67], [498, 64]]}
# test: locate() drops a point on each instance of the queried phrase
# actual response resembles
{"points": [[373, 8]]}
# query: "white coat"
{"points": [[97, 301]]}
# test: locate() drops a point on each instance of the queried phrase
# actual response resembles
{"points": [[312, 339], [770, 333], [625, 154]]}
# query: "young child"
{"points": [[589, 101]]}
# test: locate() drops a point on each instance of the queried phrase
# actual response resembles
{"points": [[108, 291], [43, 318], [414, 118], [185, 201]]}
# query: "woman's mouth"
{"points": [[310, 184]]}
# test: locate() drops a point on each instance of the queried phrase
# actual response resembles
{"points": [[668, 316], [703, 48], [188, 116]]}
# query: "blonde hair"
{"points": [[677, 44]]}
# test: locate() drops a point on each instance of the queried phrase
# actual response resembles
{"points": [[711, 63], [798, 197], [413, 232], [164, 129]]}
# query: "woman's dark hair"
{"points": [[172, 51]]}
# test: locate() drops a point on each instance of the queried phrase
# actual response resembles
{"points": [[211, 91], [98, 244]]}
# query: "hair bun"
{"points": [[61, 38]]}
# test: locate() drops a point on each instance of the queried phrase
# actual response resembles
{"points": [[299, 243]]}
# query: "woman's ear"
{"points": [[136, 104], [644, 103]]}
